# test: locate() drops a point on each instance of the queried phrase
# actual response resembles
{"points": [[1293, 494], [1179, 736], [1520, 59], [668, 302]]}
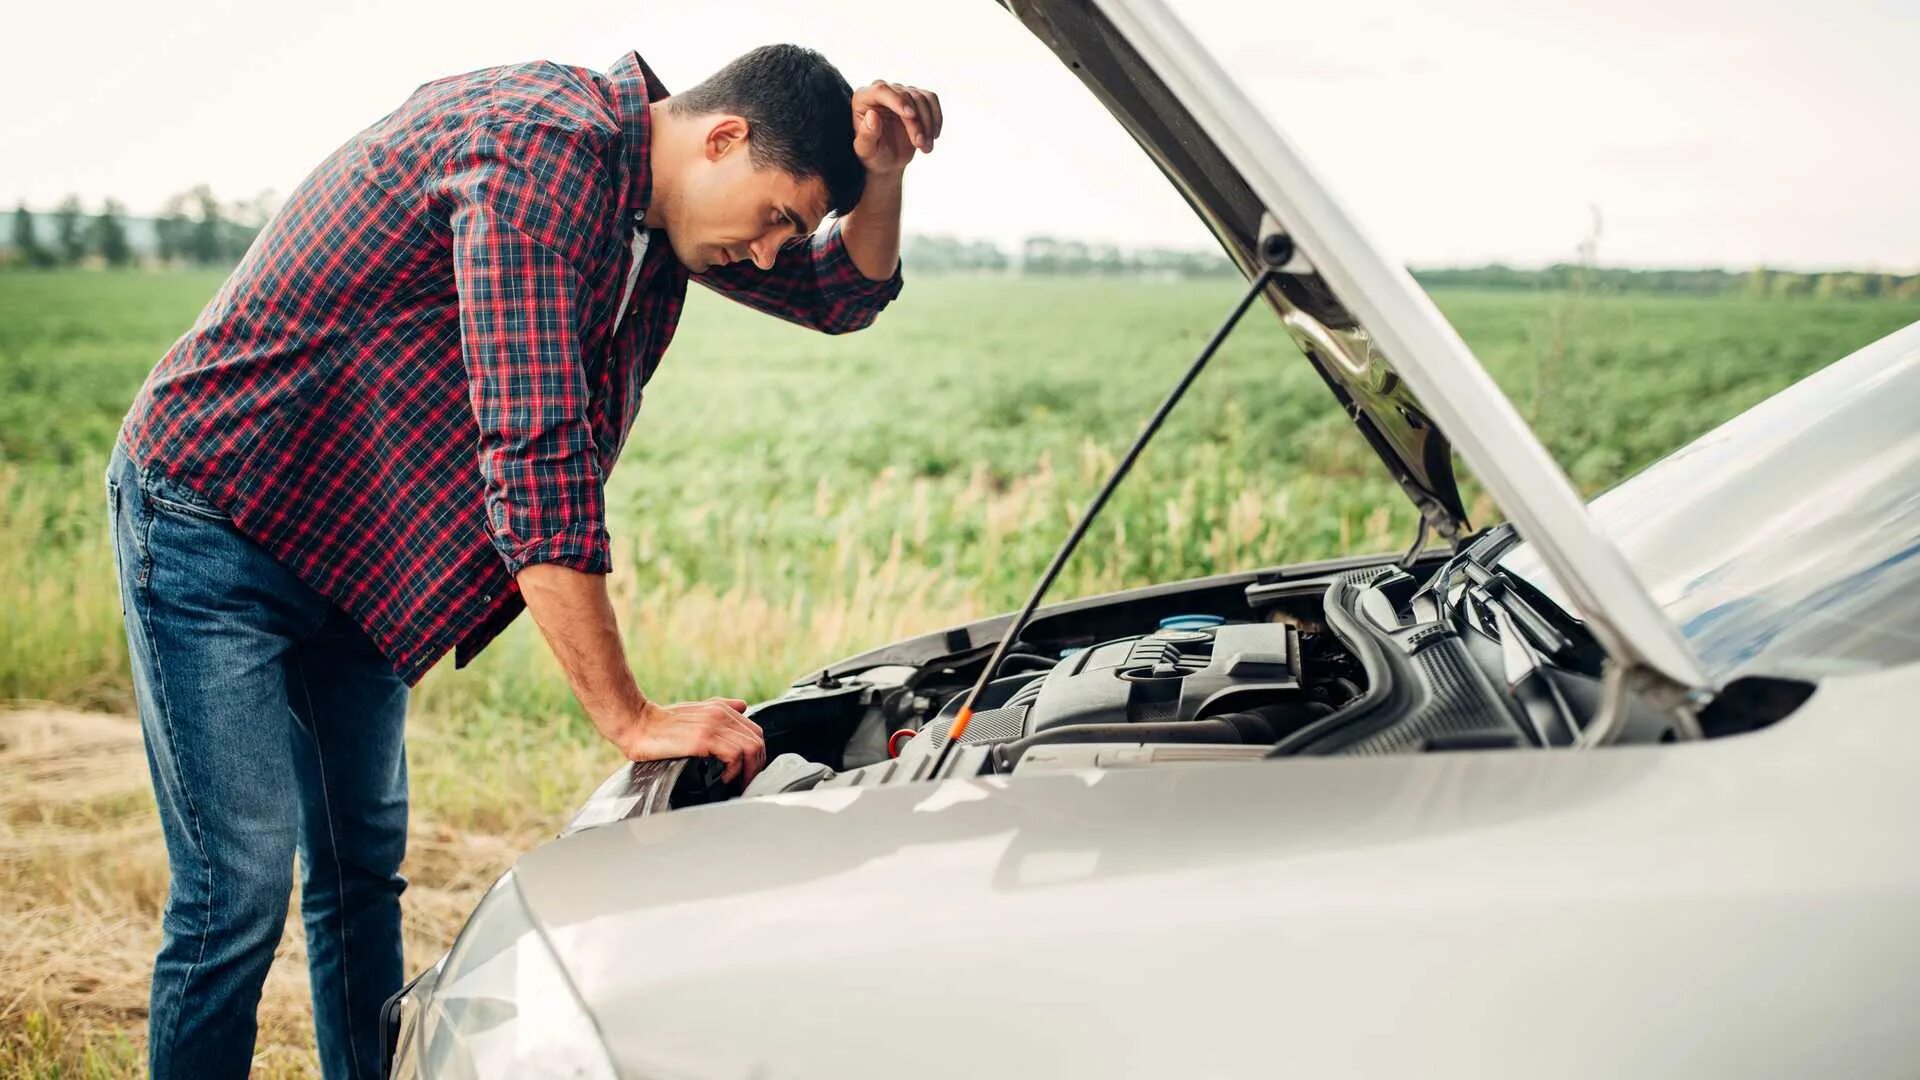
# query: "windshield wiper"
{"points": [[1498, 589], [1532, 641], [1553, 723]]}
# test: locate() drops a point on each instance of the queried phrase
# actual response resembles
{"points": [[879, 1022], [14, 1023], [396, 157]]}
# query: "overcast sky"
{"points": [[1706, 133]]}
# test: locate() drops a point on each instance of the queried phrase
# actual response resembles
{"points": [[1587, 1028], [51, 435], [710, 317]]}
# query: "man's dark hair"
{"points": [[799, 111]]}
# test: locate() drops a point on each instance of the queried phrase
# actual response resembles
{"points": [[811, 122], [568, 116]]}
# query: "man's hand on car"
{"points": [[575, 614], [716, 728]]}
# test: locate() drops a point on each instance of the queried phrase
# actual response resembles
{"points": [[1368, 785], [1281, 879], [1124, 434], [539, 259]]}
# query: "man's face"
{"points": [[727, 210]]}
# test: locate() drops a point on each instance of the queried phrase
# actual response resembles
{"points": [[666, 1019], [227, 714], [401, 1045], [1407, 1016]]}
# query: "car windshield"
{"points": [[1786, 541]]}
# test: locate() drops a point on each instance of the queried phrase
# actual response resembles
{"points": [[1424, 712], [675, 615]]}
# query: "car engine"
{"points": [[1194, 680], [1355, 657]]}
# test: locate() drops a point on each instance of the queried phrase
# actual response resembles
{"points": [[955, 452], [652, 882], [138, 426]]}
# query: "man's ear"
{"points": [[724, 134]]}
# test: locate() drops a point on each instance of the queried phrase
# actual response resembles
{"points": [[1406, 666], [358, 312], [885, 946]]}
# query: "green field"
{"points": [[788, 498]]}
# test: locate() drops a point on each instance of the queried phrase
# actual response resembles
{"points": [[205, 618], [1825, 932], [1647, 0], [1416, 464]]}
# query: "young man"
{"points": [[390, 430]]}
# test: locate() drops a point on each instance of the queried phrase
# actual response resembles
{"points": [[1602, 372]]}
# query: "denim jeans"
{"points": [[273, 726]]}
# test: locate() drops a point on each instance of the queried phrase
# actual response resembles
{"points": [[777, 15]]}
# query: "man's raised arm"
{"points": [[840, 279]]}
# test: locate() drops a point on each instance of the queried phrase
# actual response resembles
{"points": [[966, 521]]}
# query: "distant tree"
{"points": [[172, 231], [986, 255], [206, 243], [26, 243], [1037, 255], [1049, 255], [945, 254], [1841, 286], [108, 236], [1785, 283], [245, 219], [70, 230]]}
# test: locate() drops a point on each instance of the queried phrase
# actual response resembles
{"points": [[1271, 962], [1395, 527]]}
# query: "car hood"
{"points": [[1406, 915], [1409, 382]]}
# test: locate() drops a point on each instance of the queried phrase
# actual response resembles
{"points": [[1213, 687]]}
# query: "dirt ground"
{"points": [[83, 878]]}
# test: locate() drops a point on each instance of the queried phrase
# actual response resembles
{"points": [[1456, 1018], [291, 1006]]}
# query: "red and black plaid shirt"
{"points": [[412, 387]]}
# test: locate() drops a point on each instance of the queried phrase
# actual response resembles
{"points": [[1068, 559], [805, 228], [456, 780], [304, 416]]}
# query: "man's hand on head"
{"points": [[892, 120]]}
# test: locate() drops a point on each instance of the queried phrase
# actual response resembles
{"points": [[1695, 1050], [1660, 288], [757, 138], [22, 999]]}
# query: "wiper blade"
{"points": [[1500, 591], [1546, 710]]}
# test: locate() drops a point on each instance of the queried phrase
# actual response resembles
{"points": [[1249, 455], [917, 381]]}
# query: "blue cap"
{"points": [[1190, 622]]}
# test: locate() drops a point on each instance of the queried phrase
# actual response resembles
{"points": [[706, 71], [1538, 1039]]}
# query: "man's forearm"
{"points": [[576, 616], [872, 229]]}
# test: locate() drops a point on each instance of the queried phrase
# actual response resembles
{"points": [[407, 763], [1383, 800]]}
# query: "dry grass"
{"points": [[83, 877]]}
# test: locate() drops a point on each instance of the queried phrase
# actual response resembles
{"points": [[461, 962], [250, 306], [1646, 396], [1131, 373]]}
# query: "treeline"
{"points": [[194, 229], [1056, 256], [1048, 255], [1760, 281], [197, 229], [76, 235]]}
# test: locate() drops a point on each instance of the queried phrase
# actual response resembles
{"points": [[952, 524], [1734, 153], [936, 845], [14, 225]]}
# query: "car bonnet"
{"points": [[1402, 373]]}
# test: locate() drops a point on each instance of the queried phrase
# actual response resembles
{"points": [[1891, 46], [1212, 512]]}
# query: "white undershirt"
{"points": [[640, 235]]}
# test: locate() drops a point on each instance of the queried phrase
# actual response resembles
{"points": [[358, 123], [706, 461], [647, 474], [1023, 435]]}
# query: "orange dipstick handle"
{"points": [[959, 727]]}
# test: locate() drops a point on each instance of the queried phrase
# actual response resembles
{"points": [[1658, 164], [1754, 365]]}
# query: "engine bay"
{"points": [[1349, 657]]}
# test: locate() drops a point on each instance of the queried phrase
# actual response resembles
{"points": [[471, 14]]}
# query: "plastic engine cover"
{"points": [[1171, 674]]}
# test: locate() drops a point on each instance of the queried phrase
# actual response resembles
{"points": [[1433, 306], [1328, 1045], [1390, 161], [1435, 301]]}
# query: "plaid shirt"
{"points": [[412, 386]]}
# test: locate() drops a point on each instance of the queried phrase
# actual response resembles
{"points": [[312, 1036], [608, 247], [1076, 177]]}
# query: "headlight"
{"points": [[503, 1007]]}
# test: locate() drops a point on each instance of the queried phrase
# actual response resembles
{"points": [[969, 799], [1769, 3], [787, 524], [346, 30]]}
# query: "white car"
{"points": [[1618, 789]]}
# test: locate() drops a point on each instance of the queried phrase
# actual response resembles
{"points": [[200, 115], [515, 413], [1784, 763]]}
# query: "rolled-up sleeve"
{"points": [[520, 293], [813, 282]]}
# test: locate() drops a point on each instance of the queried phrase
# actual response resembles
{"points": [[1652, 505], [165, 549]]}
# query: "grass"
{"points": [[786, 498]]}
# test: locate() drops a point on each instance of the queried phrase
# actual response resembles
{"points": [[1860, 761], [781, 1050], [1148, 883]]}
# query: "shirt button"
{"points": [[486, 598]]}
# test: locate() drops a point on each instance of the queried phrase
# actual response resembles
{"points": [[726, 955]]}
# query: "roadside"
{"points": [[83, 879]]}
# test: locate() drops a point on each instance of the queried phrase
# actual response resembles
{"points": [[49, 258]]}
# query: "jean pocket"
{"points": [[174, 505], [119, 533], [170, 497]]}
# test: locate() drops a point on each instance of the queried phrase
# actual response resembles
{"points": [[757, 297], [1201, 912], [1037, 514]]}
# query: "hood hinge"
{"points": [[1621, 681]]}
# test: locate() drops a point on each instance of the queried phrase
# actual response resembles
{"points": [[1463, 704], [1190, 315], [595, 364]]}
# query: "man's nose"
{"points": [[764, 251]]}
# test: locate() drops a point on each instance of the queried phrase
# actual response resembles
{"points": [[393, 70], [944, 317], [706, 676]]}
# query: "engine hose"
{"points": [[1017, 662]]}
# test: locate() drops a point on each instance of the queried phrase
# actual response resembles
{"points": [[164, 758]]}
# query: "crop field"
{"points": [[786, 498]]}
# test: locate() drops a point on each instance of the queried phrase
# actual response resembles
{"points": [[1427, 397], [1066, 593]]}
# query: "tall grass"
{"points": [[59, 604]]}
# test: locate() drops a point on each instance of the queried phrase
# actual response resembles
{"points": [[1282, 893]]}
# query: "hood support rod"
{"points": [[1272, 245], [1419, 545]]}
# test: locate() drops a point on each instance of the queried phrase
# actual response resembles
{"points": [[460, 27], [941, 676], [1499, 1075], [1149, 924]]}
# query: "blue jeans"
{"points": [[273, 726]]}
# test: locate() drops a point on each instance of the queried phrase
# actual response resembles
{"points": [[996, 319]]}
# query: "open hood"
{"points": [[1409, 382]]}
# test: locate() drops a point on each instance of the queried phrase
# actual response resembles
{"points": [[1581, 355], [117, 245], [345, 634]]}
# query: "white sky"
{"points": [[1707, 133]]}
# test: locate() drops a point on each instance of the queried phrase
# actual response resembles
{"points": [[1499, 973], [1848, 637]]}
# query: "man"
{"points": [[390, 430]]}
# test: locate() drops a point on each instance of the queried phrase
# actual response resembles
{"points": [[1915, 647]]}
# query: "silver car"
{"points": [[1613, 789]]}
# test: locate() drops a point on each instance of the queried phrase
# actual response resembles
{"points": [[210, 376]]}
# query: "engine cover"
{"points": [[1165, 676]]}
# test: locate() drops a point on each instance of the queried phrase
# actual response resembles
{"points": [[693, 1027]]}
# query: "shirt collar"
{"points": [[634, 87]]}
